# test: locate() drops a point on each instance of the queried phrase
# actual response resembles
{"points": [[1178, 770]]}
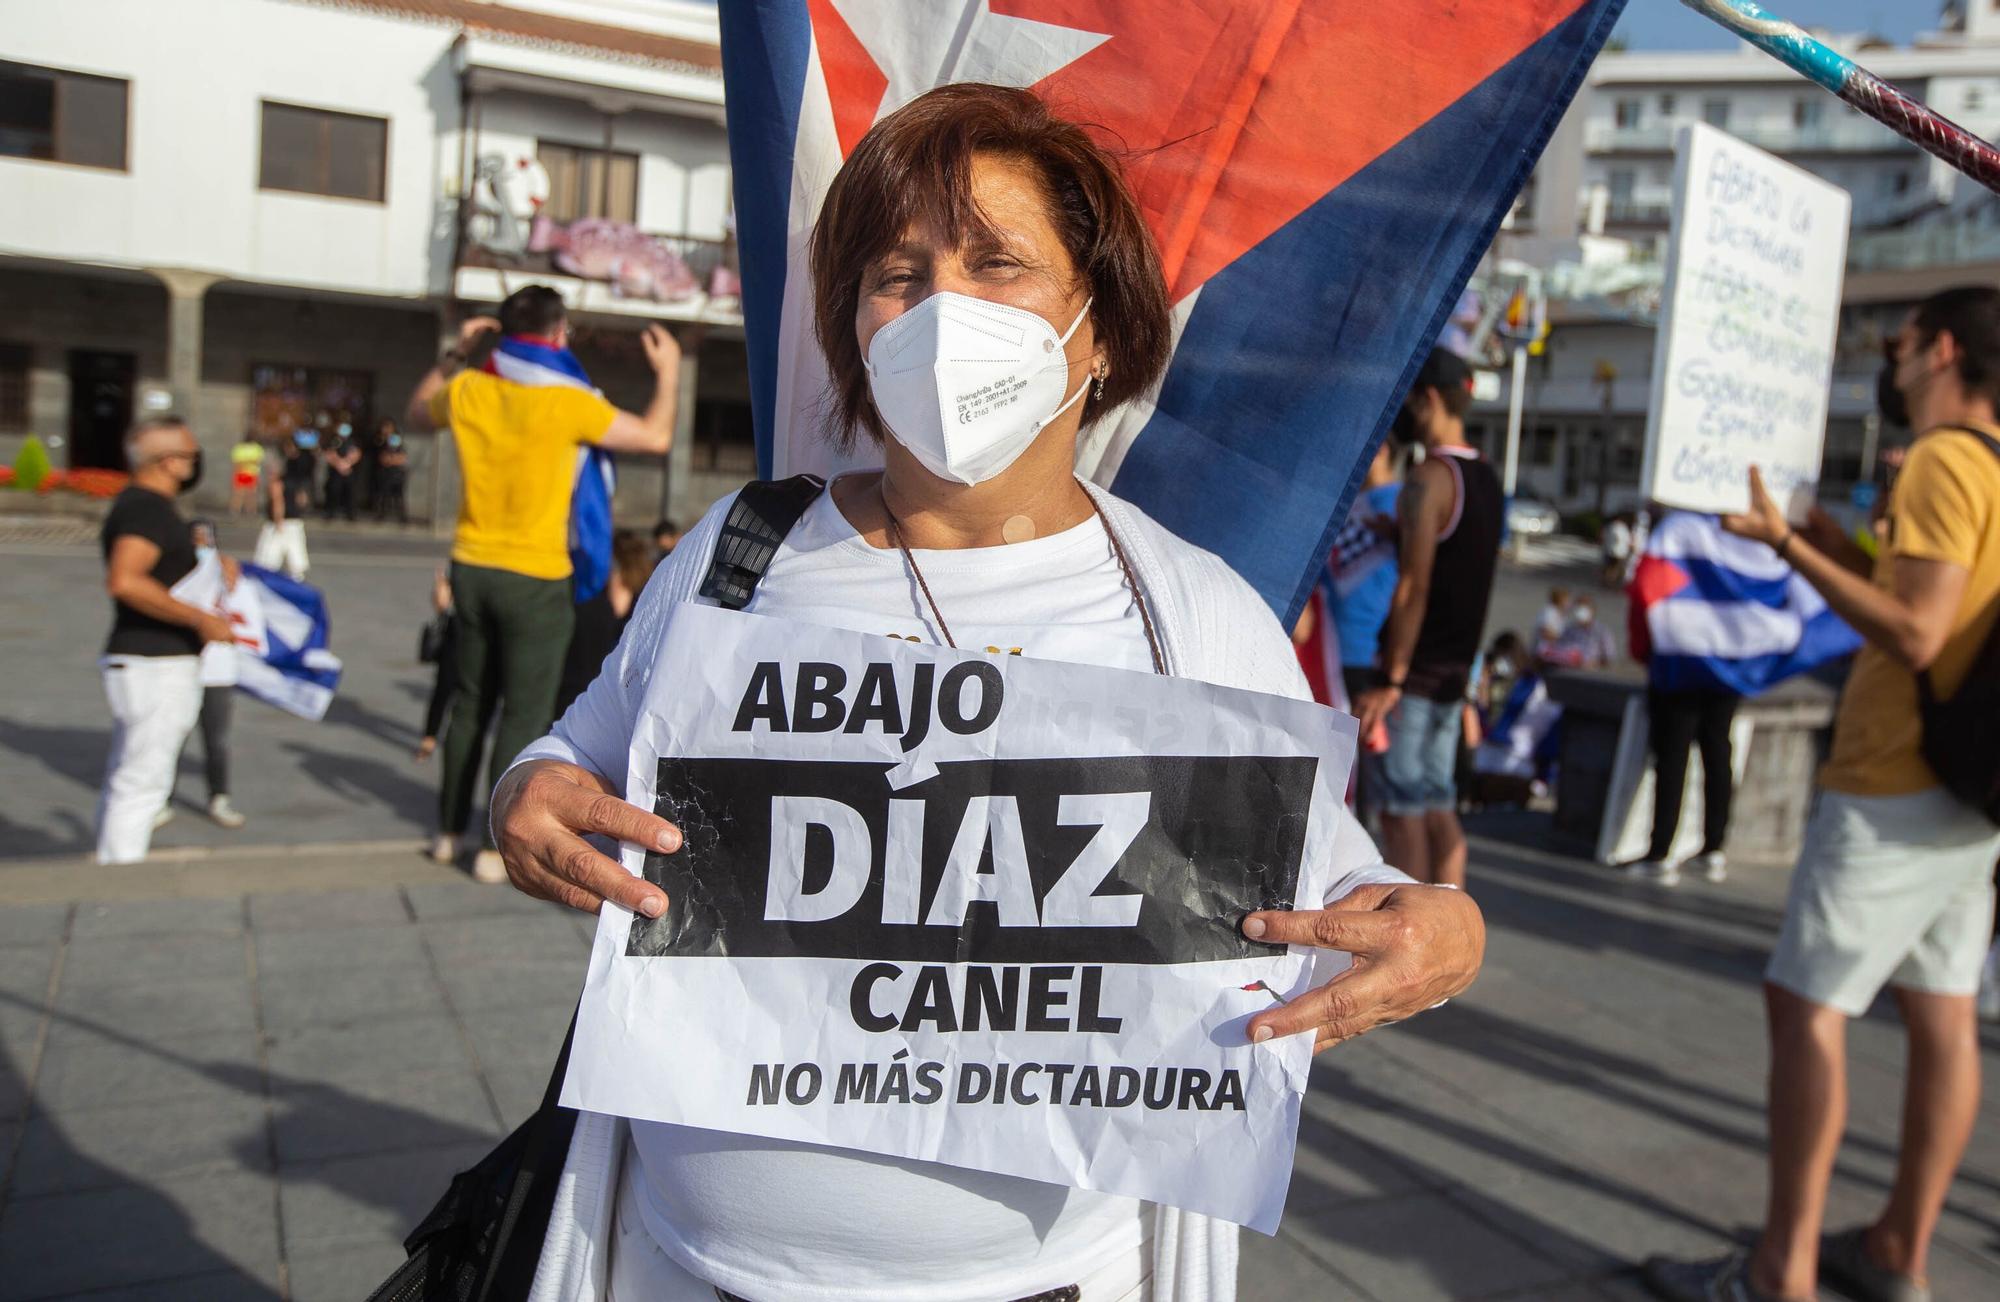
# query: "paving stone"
{"points": [[309, 998], [476, 942], [222, 1286], [434, 902], [529, 982], [1419, 1247], [341, 949], [142, 1142], [32, 924], [391, 1113], [222, 916], [1333, 1166], [1278, 1270], [358, 1053], [103, 961], [83, 1070], [361, 1200], [25, 971], [137, 1235], [319, 910], [343, 1273], [162, 1012]]}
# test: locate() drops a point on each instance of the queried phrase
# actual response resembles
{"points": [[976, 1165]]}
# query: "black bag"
{"points": [[1958, 739], [483, 1240]]}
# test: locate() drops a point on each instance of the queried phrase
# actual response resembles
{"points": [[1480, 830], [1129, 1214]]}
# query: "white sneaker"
{"points": [[444, 848], [489, 867], [1709, 864], [224, 813], [165, 816], [1654, 870]]}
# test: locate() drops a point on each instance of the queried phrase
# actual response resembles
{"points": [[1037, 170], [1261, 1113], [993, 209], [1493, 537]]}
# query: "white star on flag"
{"points": [[932, 42]]}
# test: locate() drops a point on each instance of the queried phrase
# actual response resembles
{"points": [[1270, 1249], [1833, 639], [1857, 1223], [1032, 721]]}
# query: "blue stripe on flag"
{"points": [[1714, 582], [765, 47], [1296, 355]]}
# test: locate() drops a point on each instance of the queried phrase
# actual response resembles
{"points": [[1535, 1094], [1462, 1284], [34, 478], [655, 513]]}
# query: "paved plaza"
{"points": [[245, 1070]]}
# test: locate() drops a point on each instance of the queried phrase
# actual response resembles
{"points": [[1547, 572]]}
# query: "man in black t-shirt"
{"points": [[152, 666], [1448, 519]]}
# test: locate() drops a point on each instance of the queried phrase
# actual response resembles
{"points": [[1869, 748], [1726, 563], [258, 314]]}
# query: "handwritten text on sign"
{"points": [[966, 909], [1744, 354]]}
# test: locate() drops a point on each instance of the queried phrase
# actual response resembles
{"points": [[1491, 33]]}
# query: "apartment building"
{"points": [[268, 213], [1603, 190]]}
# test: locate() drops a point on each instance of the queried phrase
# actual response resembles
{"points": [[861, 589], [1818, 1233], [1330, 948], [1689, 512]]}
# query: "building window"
{"points": [[313, 151], [284, 399], [1542, 446], [1623, 181], [14, 361], [725, 437], [1667, 106], [1975, 99], [1806, 112], [1628, 114], [1715, 112], [590, 183], [1896, 182], [62, 117]]}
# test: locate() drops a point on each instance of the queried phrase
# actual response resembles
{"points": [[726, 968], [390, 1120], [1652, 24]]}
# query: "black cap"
{"points": [[1444, 371]]}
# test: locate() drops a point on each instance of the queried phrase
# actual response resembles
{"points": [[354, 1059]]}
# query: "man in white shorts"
{"points": [[1894, 883]]}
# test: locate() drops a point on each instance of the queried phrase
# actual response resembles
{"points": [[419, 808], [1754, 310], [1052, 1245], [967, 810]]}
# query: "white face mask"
{"points": [[966, 385]]}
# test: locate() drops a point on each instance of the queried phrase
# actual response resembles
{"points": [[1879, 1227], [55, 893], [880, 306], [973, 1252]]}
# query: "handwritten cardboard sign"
{"points": [[1744, 353]]}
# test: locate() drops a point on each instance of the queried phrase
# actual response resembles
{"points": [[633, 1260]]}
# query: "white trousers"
{"points": [[281, 545], [155, 701]]}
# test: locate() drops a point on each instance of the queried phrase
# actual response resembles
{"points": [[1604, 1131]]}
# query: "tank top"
{"points": [[1461, 580]]}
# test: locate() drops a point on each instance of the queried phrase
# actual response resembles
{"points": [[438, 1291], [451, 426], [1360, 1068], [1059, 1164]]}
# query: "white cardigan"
{"points": [[1212, 627]]}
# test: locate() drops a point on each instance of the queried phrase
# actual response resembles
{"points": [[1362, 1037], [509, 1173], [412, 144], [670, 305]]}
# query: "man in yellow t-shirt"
{"points": [[1894, 884], [510, 567]]}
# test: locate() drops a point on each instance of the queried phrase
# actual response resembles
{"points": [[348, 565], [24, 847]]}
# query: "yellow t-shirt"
{"points": [[247, 456], [1945, 507], [517, 452]]}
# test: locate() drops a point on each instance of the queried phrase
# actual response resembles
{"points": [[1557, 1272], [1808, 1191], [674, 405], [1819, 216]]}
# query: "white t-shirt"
{"points": [[769, 1219]]}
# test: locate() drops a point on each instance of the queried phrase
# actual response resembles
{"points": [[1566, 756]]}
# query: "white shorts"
{"points": [[1889, 890]]}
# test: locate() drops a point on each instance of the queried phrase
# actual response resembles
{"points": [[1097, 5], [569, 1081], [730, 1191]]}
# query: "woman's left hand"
{"points": [[1413, 947]]}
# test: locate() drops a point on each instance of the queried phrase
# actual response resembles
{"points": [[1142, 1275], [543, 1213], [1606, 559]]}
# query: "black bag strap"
{"points": [[1925, 695], [511, 1268], [762, 514]]}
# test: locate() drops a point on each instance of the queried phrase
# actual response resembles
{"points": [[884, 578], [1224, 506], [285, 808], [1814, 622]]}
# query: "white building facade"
{"points": [[1604, 189], [269, 213]]}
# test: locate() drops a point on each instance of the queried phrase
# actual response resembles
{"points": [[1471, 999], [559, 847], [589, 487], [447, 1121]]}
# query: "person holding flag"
{"points": [[974, 242], [518, 421]]}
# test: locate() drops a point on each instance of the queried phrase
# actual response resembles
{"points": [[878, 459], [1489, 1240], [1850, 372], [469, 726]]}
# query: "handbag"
{"points": [[483, 1240]]}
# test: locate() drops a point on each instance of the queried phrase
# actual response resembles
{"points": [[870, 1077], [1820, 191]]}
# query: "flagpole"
{"points": [[1813, 59]]}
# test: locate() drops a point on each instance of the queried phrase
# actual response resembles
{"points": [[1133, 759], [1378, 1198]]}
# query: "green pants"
{"points": [[512, 634]]}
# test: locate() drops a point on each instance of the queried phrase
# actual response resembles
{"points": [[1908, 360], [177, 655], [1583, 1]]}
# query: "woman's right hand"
{"points": [[543, 809]]}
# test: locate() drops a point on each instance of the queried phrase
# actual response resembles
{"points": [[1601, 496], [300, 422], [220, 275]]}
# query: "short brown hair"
{"points": [[914, 167]]}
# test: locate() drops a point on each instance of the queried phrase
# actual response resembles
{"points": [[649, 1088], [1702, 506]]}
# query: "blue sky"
{"points": [[1671, 25]]}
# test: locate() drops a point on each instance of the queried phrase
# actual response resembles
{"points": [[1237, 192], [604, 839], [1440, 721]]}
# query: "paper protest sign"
{"points": [[974, 909], [1744, 352]]}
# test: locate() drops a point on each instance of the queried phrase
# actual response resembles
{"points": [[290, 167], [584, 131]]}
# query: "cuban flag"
{"points": [[289, 666], [1709, 611], [525, 359], [1322, 177]]}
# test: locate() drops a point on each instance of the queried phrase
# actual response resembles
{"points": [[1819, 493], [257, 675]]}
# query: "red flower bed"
{"points": [[87, 483]]}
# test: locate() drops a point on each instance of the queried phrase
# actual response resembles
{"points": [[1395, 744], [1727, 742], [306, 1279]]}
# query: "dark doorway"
{"points": [[100, 408]]}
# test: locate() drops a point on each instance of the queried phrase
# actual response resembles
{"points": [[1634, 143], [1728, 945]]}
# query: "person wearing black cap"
{"points": [[1448, 525]]}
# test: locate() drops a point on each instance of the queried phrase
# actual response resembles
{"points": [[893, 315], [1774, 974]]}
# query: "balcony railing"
{"points": [[1637, 212], [1842, 136], [637, 264], [1935, 244]]}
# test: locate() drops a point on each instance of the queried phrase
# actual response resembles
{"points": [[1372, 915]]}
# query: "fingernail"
{"points": [[1260, 1034], [1254, 928], [669, 841], [653, 905]]}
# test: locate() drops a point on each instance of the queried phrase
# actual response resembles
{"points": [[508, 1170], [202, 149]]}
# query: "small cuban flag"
{"points": [[1710, 611], [292, 668]]}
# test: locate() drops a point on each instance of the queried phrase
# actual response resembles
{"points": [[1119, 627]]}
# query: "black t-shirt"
{"points": [[1461, 581], [145, 514]]}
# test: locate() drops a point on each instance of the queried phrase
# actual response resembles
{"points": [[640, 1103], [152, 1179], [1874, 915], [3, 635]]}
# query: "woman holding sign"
{"points": [[985, 287]]}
